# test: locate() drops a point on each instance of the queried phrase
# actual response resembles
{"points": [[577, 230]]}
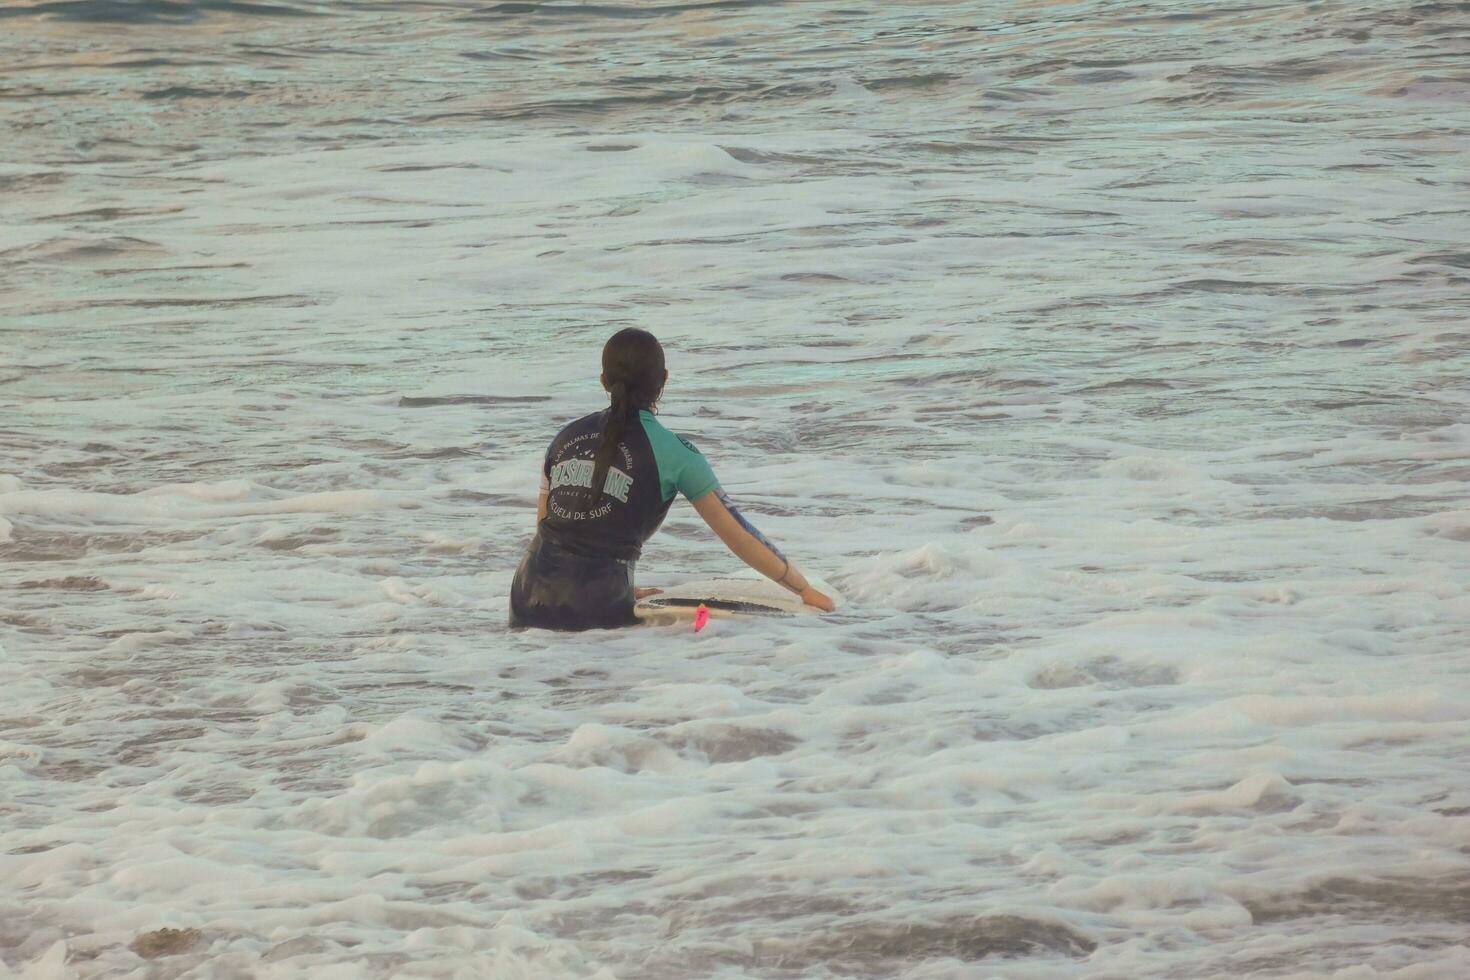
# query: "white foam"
{"points": [[1124, 416]]}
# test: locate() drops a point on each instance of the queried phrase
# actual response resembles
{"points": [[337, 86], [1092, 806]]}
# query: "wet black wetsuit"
{"points": [[578, 572]]}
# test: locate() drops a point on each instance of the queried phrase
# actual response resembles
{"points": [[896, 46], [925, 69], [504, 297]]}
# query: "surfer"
{"points": [[578, 572]]}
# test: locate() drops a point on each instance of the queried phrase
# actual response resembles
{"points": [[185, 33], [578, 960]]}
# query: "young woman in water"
{"points": [[578, 572]]}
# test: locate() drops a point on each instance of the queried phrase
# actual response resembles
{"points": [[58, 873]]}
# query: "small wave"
{"points": [[1225, 286], [869, 944], [608, 10], [697, 96], [1445, 899], [899, 82], [153, 11], [441, 401], [111, 214], [1457, 260], [189, 92]]}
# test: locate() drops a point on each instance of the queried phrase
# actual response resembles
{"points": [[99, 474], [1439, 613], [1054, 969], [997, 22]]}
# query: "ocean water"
{"points": [[1108, 359]]}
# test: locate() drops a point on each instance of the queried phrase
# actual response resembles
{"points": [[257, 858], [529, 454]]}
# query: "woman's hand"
{"points": [[812, 597], [645, 593]]}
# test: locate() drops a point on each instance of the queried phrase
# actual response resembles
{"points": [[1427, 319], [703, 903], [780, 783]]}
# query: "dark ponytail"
{"points": [[612, 434], [633, 370]]}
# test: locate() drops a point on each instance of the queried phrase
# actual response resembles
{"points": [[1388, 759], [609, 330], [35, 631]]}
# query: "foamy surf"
{"points": [[1108, 361]]}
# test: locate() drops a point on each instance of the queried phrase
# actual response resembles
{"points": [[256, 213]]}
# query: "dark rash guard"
{"points": [[650, 466], [578, 572]]}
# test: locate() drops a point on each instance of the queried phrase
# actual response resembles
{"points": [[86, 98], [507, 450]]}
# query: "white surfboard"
{"points": [[724, 598]]}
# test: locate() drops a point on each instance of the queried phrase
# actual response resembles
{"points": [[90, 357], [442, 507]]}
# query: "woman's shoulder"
{"points": [[592, 420], [664, 438]]}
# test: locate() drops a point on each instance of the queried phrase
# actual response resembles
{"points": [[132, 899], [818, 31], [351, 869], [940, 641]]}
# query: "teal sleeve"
{"points": [[681, 467], [696, 478]]}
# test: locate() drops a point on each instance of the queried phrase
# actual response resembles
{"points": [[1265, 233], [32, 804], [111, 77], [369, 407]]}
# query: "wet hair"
{"points": [[633, 368]]}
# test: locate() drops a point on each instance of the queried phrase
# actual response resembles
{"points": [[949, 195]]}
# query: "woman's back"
{"points": [[649, 466]]}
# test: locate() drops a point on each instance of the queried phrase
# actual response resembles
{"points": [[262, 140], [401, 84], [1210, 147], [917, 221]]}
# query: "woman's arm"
{"points": [[751, 547], [545, 494]]}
